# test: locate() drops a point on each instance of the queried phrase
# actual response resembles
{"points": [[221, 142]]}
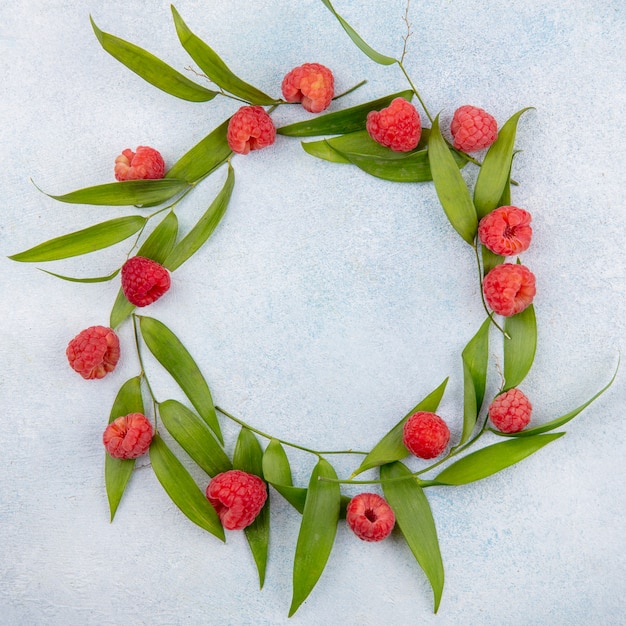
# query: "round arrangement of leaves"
{"points": [[344, 139]]}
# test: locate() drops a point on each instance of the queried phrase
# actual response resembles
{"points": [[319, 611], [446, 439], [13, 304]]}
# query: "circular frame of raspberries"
{"points": [[384, 138]]}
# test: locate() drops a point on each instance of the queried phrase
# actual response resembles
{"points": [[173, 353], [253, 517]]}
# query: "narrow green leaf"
{"points": [[205, 226], [317, 532], [341, 122], [182, 489], [415, 520], [475, 358], [248, 456], [452, 191], [519, 350], [213, 66], [152, 69], [117, 471], [122, 308], [72, 279], [205, 157], [175, 358], [194, 437], [323, 150], [277, 472], [390, 447], [495, 171], [490, 260], [356, 38], [492, 459], [83, 241]]}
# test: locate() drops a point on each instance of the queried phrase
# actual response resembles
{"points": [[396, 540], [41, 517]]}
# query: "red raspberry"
{"points": [[506, 230], [144, 281], [94, 352], [128, 436], [238, 498], [370, 517], [426, 435], [398, 126], [510, 411], [473, 128], [146, 163], [509, 288], [311, 84], [251, 128]]}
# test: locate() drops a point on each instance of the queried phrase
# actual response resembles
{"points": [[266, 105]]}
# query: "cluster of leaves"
{"points": [[197, 430]]}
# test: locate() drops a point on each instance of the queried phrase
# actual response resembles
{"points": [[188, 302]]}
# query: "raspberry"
{"points": [[426, 435], [94, 352], [311, 84], [398, 126], [251, 128], [509, 288], [128, 436], [506, 230], [238, 498], [144, 281], [146, 163], [510, 411], [473, 128], [370, 517]]}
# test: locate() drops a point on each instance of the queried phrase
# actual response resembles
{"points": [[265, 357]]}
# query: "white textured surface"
{"points": [[326, 304]]}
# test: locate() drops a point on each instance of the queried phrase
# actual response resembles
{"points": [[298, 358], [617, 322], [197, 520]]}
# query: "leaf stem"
{"points": [[345, 93], [142, 373], [401, 65]]}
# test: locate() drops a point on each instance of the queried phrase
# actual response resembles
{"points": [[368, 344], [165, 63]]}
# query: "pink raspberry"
{"points": [[251, 128], [311, 84], [426, 435], [506, 230], [94, 352], [510, 411], [398, 126], [128, 436], [473, 128], [370, 517], [238, 498], [146, 163], [144, 281], [509, 288]]}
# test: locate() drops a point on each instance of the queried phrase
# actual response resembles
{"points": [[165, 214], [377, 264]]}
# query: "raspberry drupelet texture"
{"points": [[426, 435], [370, 517], [128, 436], [144, 281], [94, 352], [510, 411], [398, 126], [145, 163], [250, 128], [238, 498], [509, 288], [506, 230], [312, 84], [473, 129]]}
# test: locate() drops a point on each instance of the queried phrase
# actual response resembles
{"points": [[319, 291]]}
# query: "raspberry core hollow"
{"points": [[506, 230], [370, 517]]}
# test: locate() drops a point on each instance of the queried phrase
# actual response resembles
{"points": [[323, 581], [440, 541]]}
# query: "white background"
{"points": [[326, 305]]}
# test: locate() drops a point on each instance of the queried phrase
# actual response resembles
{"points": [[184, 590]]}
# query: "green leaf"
{"points": [[194, 437], [122, 308], [175, 358], [490, 259], [475, 358], [182, 489], [72, 279], [519, 350], [356, 38], [341, 122], [415, 520], [323, 150], [83, 241], [495, 171], [152, 69], [248, 457], [213, 66], [277, 472], [317, 532], [117, 471], [390, 448], [205, 226], [205, 157], [492, 459]]}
